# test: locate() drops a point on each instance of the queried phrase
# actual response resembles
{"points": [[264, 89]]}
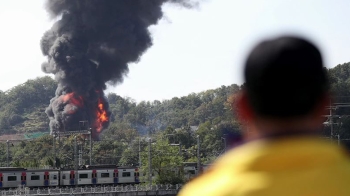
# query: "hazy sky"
{"points": [[194, 50]]}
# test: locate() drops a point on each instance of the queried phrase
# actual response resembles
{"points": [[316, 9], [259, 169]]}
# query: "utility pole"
{"points": [[54, 151], [80, 155], [75, 162], [331, 119], [149, 161], [180, 149], [90, 130], [7, 153], [224, 138], [198, 156], [59, 147], [139, 153]]}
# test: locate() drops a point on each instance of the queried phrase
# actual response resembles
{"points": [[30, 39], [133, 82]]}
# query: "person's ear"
{"points": [[242, 107], [322, 108]]}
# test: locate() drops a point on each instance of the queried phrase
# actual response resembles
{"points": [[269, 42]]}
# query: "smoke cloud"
{"points": [[90, 45]]}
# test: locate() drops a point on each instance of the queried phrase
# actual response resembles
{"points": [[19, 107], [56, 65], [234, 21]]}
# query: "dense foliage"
{"points": [[173, 125], [339, 77], [22, 108]]}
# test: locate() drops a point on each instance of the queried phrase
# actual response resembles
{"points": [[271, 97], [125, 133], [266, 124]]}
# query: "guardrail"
{"points": [[166, 189]]}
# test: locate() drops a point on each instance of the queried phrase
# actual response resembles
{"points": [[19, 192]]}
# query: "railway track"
{"points": [[128, 190]]}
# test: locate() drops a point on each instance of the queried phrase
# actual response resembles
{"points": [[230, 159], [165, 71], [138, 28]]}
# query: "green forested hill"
{"points": [[207, 114], [178, 121], [191, 110], [22, 108]]}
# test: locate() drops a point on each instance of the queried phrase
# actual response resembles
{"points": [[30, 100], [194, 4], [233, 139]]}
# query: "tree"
{"points": [[166, 162]]}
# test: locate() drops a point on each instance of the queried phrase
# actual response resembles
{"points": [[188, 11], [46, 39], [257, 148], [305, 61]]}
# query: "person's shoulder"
{"points": [[211, 182], [218, 179]]}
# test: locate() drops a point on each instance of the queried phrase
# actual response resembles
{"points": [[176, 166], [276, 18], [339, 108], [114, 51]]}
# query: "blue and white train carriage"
{"points": [[97, 175], [42, 178], [11, 177]]}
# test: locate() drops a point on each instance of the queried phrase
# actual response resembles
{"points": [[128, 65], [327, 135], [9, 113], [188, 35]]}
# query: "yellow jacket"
{"points": [[299, 166]]}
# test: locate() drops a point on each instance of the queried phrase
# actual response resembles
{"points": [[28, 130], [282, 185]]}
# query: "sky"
{"points": [[193, 49]]}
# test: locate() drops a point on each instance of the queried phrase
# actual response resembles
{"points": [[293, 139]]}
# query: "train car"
{"points": [[112, 174], [104, 174], [67, 177], [89, 177], [99, 174], [11, 177], [84, 177], [128, 175], [42, 178]]}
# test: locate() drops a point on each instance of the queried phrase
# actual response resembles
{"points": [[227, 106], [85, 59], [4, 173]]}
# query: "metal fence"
{"points": [[89, 190]]}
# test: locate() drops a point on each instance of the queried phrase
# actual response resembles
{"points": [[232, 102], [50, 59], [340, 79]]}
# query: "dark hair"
{"points": [[285, 77]]}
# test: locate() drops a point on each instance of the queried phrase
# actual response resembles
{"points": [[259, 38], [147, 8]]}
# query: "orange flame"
{"points": [[102, 116], [77, 101]]}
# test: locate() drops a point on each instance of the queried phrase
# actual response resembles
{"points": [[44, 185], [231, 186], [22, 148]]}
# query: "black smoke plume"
{"points": [[91, 44]]}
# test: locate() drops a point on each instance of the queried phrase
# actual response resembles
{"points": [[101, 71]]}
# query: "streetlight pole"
{"points": [[331, 119], [198, 156], [54, 150], [75, 161], [224, 138], [139, 153], [80, 155], [90, 133], [7, 153], [149, 162], [180, 149]]}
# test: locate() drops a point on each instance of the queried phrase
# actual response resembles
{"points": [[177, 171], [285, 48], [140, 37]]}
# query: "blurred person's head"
{"points": [[285, 87]]}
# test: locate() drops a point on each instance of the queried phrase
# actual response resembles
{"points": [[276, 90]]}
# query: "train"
{"points": [[12, 177]]}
